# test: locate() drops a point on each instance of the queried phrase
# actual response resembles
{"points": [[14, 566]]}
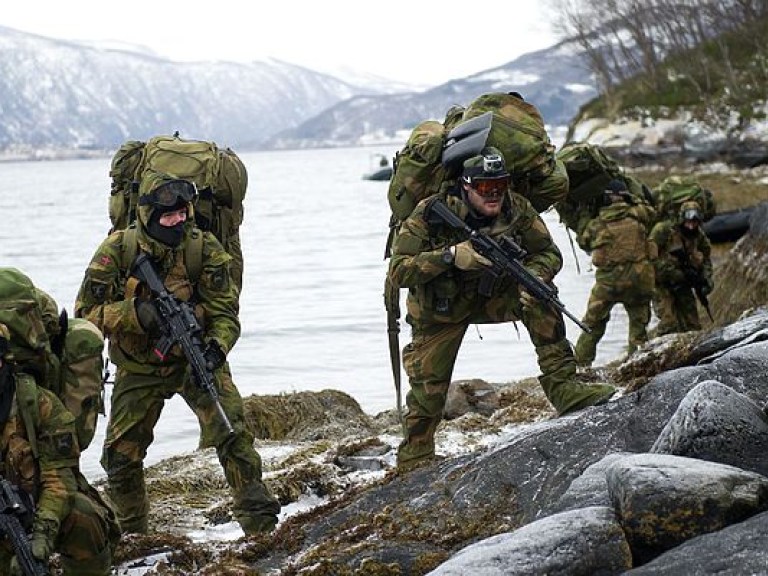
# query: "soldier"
{"points": [[618, 242], [195, 268], [40, 453], [683, 265], [449, 290]]}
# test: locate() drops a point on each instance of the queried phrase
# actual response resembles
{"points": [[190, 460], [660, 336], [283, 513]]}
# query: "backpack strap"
{"points": [[193, 252], [26, 399], [193, 255]]}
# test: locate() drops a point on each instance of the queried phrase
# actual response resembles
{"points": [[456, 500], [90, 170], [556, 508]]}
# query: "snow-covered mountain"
{"points": [[556, 80], [65, 95], [77, 96]]}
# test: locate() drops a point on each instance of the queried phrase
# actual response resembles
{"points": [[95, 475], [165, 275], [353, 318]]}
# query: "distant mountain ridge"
{"points": [[555, 79], [70, 96], [58, 94]]}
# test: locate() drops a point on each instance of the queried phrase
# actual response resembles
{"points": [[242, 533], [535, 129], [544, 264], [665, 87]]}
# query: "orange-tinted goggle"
{"points": [[488, 187]]}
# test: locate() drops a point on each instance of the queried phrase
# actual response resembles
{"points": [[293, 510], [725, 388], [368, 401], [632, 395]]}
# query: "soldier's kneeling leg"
{"points": [[85, 544]]}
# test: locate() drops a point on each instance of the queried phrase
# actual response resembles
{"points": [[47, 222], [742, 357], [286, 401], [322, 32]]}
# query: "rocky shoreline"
{"points": [[668, 478]]}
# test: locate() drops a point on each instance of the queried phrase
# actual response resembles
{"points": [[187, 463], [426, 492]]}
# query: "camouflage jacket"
{"points": [[417, 259], [107, 298], [42, 461], [671, 269], [618, 235]]}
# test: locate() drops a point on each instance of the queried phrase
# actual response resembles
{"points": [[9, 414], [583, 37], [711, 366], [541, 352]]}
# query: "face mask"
{"points": [[168, 235]]}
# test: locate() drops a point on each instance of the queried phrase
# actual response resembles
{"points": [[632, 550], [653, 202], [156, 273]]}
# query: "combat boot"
{"points": [[559, 382], [256, 524]]}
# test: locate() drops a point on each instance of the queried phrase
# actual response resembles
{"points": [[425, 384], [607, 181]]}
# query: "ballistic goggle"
{"points": [[486, 187], [170, 193], [691, 214]]}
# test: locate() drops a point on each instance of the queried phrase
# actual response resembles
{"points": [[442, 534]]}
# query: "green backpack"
{"points": [[64, 355], [674, 190], [417, 169], [219, 174], [518, 131], [589, 170]]}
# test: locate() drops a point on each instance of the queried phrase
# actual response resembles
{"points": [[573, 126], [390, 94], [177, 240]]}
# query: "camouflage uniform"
{"points": [[618, 242], [144, 382], [40, 456], [675, 300], [443, 301]]}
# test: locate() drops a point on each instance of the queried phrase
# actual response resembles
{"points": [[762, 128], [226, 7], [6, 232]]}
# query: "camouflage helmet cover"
{"points": [[22, 314]]}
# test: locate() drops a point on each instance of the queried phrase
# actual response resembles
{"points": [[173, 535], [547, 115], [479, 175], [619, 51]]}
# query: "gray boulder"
{"points": [[661, 500], [585, 542], [716, 423]]}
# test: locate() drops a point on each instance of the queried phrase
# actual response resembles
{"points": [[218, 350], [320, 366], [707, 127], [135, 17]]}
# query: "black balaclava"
{"points": [[168, 235], [689, 232]]}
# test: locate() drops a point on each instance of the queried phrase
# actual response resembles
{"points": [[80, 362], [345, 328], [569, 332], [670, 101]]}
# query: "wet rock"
{"points": [[583, 542], [662, 501], [718, 424], [589, 489], [734, 551], [465, 396]]}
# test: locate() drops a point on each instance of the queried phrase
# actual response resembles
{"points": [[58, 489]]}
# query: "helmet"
{"points": [[690, 211], [489, 164], [615, 186]]}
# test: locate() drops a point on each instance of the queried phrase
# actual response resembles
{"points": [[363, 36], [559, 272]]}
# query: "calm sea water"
{"points": [[311, 309]]}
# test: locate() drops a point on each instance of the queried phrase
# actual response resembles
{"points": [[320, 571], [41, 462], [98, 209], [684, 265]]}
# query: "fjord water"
{"points": [[311, 309]]}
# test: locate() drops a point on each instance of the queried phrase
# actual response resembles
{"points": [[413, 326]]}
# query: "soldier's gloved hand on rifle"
{"points": [[41, 548], [527, 301], [214, 356], [466, 258], [149, 318], [707, 287]]}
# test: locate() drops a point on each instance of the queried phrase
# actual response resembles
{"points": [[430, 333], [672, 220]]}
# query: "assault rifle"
{"points": [[506, 257], [694, 277], [11, 510], [179, 326]]}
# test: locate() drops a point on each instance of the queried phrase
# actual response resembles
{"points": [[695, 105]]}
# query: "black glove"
{"points": [[149, 318], [214, 356]]}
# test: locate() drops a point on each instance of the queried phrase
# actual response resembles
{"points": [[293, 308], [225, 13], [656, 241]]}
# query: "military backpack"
{"points": [[675, 190], [218, 173], [63, 355], [589, 170], [519, 132]]}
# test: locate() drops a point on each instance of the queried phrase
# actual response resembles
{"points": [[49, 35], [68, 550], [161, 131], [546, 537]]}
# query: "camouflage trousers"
{"points": [[602, 299], [136, 404], [85, 541], [677, 310], [430, 357]]}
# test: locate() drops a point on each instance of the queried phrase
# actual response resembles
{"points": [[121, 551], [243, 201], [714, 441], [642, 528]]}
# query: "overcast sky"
{"points": [[416, 41]]}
